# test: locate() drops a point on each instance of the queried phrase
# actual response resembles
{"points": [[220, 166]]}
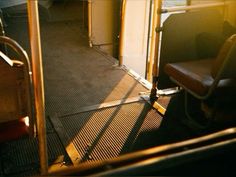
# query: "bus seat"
{"points": [[14, 129], [16, 103], [207, 77]]}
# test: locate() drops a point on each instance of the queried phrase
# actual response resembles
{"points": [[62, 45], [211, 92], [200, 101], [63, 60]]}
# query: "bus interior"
{"points": [[121, 87]]}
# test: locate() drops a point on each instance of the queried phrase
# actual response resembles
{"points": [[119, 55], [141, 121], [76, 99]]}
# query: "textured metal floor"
{"points": [[77, 76], [107, 132], [20, 157]]}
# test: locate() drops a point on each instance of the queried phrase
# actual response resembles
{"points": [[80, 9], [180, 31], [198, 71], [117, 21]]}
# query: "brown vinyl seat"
{"points": [[16, 93], [14, 129], [208, 77]]}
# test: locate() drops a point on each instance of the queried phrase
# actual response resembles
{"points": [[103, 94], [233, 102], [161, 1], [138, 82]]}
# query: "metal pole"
{"points": [[156, 54], [193, 7], [122, 31], [90, 22], [149, 37], [152, 46], [37, 69]]}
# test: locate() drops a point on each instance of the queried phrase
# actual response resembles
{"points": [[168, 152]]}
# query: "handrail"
{"points": [[122, 31], [6, 59], [152, 44], [167, 161], [194, 7], [9, 61], [37, 66], [156, 52], [90, 23], [17, 48], [147, 157]]}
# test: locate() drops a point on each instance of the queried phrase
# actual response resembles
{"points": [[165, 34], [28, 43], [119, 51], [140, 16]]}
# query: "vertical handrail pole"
{"points": [[156, 54], [37, 68], [122, 31], [193, 7], [152, 46], [90, 22]]}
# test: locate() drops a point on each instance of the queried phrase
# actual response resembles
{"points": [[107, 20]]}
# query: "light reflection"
{"points": [[101, 129], [26, 121]]}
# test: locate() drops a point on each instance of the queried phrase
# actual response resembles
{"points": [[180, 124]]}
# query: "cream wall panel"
{"points": [[136, 34]]}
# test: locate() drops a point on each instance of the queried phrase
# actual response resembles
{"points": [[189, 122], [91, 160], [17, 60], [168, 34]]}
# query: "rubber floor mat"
{"points": [[108, 132]]}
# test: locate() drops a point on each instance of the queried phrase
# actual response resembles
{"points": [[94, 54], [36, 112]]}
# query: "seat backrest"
{"points": [[225, 62], [178, 39], [16, 90]]}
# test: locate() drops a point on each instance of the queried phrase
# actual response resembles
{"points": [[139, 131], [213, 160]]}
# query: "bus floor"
{"points": [[93, 107], [91, 104]]}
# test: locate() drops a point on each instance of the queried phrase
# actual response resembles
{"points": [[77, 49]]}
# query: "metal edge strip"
{"points": [[68, 145], [155, 105], [103, 105]]}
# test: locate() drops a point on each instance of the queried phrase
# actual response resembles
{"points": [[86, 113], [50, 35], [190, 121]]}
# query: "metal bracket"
{"points": [[158, 30]]}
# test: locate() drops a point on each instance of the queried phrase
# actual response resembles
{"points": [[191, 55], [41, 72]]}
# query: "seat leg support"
{"points": [[191, 122]]}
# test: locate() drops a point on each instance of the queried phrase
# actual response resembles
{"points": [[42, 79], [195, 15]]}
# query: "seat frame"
{"points": [[220, 74], [27, 72]]}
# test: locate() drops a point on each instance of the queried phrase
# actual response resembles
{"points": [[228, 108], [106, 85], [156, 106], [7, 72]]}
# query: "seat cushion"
{"points": [[193, 75]]}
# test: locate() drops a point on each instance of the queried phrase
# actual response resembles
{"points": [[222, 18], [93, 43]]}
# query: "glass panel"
{"points": [[172, 3]]}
